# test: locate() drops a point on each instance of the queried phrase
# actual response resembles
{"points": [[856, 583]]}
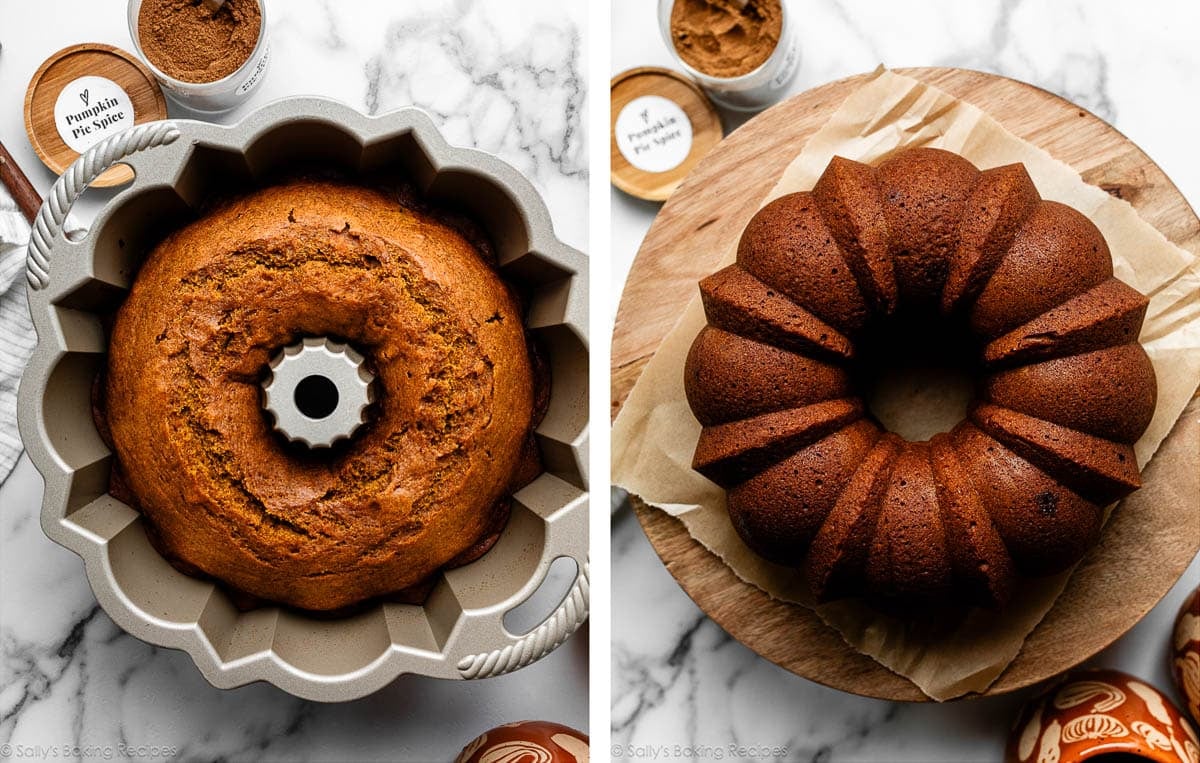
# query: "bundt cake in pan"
{"points": [[1063, 389], [422, 485]]}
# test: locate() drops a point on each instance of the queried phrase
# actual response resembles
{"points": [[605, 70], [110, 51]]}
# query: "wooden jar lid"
{"points": [[662, 125], [83, 94]]}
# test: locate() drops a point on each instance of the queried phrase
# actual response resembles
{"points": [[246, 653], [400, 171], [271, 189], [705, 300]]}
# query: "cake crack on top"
{"points": [[1018, 487], [424, 483]]}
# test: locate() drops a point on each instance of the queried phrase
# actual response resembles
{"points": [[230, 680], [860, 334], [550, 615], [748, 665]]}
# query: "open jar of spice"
{"points": [[742, 52], [206, 60]]}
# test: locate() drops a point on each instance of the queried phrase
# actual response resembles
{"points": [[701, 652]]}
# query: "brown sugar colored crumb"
{"points": [[188, 43], [726, 38], [424, 486]]}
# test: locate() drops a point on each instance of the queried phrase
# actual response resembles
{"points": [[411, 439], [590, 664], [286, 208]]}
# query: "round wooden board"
{"points": [[1102, 600], [95, 59]]}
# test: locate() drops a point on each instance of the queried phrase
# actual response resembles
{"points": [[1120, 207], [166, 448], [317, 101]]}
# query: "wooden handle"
{"points": [[22, 190]]}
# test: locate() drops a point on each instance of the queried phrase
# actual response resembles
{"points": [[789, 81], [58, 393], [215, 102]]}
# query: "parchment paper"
{"points": [[655, 433]]}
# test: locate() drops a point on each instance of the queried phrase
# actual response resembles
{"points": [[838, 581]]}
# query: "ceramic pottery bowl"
{"points": [[1185, 654], [1090, 714], [533, 741]]}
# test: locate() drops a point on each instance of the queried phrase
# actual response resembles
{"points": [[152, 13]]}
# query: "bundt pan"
{"points": [[459, 632]]}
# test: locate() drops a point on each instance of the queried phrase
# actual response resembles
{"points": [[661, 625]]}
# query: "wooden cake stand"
{"points": [[704, 218]]}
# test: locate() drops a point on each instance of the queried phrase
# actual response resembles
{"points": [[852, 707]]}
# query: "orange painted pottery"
{"points": [[1185, 655], [1089, 714], [527, 742]]}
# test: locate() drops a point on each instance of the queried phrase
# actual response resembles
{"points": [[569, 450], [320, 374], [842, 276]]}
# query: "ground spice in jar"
{"points": [[188, 42], [726, 38]]}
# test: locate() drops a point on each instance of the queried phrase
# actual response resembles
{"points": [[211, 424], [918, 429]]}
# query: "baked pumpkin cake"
{"points": [[1063, 389], [422, 485]]}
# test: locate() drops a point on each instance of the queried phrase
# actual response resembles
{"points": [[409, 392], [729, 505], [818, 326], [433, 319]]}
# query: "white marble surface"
{"points": [[678, 679], [508, 83]]}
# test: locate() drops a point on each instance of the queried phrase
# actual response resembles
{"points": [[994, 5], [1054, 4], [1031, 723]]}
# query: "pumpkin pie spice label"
{"points": [[89, 109], [653, 133]]}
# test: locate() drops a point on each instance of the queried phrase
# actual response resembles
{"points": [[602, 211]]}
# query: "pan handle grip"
{"points": [[48, 226], [539, 642]]}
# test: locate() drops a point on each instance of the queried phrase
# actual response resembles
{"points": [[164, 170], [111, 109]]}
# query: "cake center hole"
{"points": [[917, 375], [316, 396]]}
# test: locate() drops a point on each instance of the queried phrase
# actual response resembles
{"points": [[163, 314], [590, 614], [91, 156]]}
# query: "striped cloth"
{"points": [[16, 330], [17, 337]]}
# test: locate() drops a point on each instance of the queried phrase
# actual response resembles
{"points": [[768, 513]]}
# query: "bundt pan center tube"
{"points": [[77, 285], [1016, 489]]}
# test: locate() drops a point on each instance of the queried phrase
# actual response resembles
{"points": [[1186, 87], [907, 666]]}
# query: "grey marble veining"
{"points": [[72, 684], [682, 688], [479, 98]]}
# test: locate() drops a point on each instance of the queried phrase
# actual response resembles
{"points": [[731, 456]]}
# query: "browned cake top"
{"points": [[1016, 488], [416, 487]]}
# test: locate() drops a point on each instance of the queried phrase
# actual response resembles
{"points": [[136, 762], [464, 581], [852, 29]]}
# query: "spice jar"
{"points": [[208, 62], [742, 52]]}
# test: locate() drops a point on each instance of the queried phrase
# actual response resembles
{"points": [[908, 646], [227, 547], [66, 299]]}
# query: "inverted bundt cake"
{"points": [[422, 485], [1018, 488]]}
